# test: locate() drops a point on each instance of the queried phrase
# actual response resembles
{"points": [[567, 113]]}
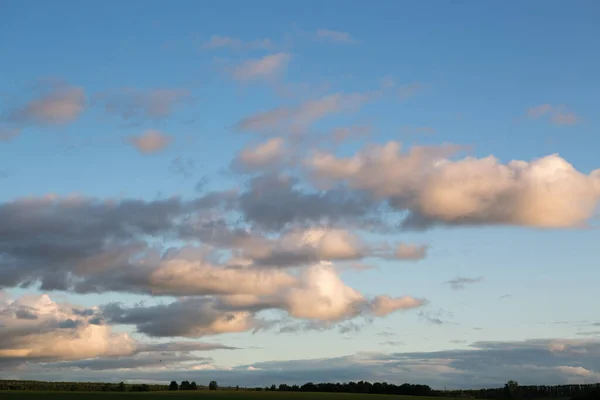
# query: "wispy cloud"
{"points": [[220, 42], [57, 103], [8, 134], [266, 68], [557, 114], [462, 282], [332, 36]]}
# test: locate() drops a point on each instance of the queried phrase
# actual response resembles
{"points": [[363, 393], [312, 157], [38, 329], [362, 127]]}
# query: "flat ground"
{"points": [[200, 394]]}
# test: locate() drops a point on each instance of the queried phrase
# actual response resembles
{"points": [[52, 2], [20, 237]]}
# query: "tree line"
{"points": [[79, 386], [512, 390]]}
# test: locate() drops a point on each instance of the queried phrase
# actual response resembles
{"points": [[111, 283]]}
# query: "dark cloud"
{"points": [[462, 282], [275, 202], [68, 242], [194, 317]]}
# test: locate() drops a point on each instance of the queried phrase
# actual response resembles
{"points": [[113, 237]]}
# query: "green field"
{"points": [[201, 394]]}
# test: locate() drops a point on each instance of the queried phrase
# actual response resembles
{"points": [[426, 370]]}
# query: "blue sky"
{"points": [[146, 101]]}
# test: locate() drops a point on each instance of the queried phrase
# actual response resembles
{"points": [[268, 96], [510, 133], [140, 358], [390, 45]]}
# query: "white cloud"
{"points": [[151, 141], [189, 277], [35, 327], [547, 192], [265, 68], [323, 296]]}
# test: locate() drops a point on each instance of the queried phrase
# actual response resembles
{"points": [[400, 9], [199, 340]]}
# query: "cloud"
{"points": [[218, 42], [461, 282], [299, 117], [317, 294], [558, 114], [547, 192], [150, 142], [8, 134], [268, 154], [483, 364], [568, 118], [57, 104], [37, 328], [410, 252], [91, 239], [266, 68], [195, 317], [323, 296], [276, 201], [137, 105], [343, 134], [539, 111], [335, 36], [384, 305]]}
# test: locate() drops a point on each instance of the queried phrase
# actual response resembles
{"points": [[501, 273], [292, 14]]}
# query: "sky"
{"points": [[284, 192]]}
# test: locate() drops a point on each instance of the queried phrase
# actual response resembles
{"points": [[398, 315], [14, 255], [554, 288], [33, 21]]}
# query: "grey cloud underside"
{"points": [[92, 245], [489, 364]]}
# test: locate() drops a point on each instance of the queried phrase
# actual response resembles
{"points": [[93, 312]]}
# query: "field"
{"points": [[204, 395]]}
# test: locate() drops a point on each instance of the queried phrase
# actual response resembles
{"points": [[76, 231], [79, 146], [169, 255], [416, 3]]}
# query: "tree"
{"points": [[185, 385], [511, 390], [173, 386], [193, 386], [213, 385], [121, 387]]}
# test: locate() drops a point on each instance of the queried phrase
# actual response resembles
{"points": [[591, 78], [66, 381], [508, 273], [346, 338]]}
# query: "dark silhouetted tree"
{"points": [[173, 386], [121, 387], [213, 385], [193, 386]]}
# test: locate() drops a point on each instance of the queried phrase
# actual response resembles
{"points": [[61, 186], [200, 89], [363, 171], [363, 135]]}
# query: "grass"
{"points": [[201, 394]]}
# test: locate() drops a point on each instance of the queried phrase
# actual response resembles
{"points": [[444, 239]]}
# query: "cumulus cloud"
{"points": [[547, 192], [266, 68], [462, 282], [557, 114], [335, 36], [268, 154], [57, 104], [150, 142], [276, 202], [35, 327], [324, 296], [136, 105], [194, 317]]}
